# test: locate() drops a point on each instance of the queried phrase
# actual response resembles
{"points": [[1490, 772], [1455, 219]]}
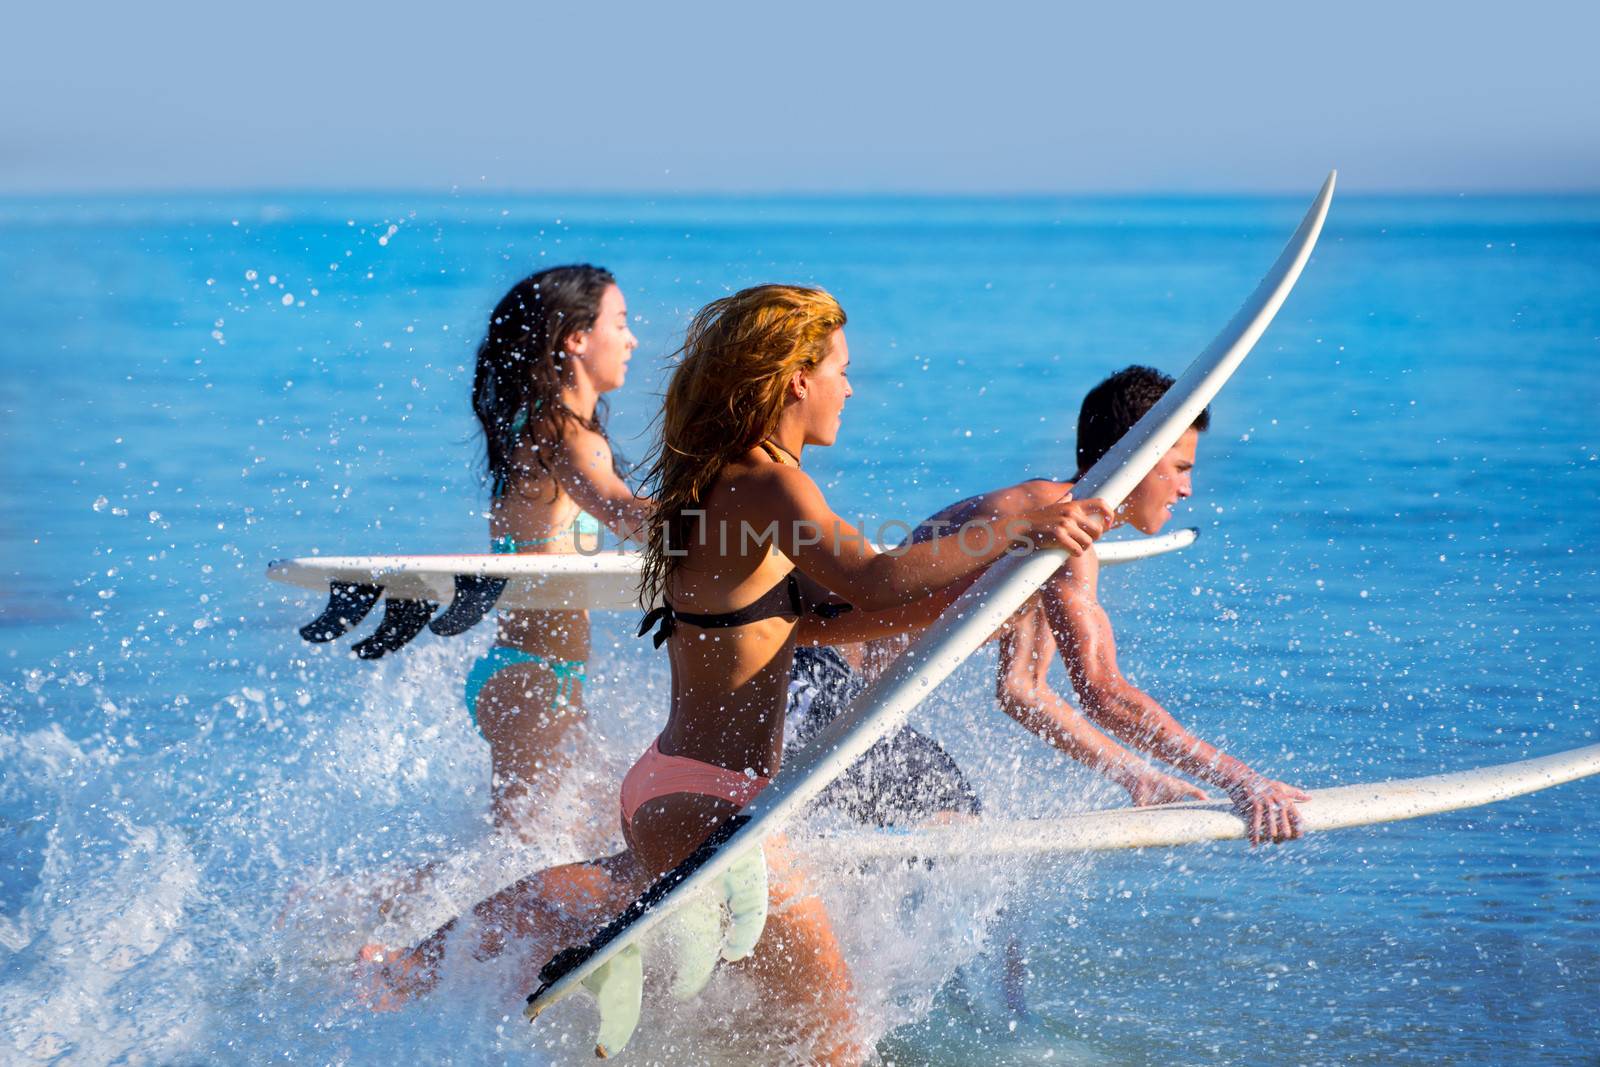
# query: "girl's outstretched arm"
{"points": [[584, 467], [785, 506]]}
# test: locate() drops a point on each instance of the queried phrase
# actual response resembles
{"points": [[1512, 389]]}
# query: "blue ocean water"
{"points": [[1399, 500]]}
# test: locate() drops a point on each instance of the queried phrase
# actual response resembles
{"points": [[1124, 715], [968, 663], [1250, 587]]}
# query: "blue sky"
{"points": [[814, 97]]}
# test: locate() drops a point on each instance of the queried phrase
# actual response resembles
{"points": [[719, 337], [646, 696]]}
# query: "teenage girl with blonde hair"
{"points": [[764, 377], [749, 559]]}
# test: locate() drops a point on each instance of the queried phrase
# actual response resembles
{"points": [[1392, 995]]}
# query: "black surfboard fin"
{"points": [[348, 604], [475, 597], [402, 620]]}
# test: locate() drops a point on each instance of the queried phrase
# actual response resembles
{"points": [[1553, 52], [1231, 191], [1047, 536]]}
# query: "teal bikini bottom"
{"points": [[568, 673]]}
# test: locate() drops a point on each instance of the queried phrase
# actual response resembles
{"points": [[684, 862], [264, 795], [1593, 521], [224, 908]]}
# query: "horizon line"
{"points": [[475, 192]]}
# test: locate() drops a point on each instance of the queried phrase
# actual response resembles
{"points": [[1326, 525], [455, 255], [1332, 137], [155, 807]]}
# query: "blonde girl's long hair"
{"points": [[724, 398]]}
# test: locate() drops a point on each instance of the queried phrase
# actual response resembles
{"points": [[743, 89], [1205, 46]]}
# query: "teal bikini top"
{"points": [[584, 525]]}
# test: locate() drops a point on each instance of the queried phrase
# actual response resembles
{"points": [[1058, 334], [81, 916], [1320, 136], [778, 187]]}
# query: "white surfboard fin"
{"points": [[746, 887], [695, 932], [724, 922], [618, 988]]}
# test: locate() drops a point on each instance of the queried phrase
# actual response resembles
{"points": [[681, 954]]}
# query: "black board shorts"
{"points": [[907, 777]]}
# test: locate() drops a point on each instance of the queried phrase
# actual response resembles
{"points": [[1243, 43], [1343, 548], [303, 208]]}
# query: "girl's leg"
{"points": [[797, 962], [525, 710], [544, 913], [559, 907]]}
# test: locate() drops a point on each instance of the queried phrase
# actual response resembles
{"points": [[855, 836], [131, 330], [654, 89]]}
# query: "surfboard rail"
{"points": [[471, 585], [1196, 822]]}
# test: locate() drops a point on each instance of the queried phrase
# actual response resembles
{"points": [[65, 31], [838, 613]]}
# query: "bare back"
{"points": [[537, 516], [763, 520], [729, 686]]}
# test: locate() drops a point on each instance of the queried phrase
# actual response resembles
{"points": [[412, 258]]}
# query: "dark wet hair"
{"points": [[516, 390], [1111, 408]]}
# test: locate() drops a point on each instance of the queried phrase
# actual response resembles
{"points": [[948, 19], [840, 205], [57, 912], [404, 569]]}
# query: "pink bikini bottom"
{"points": [[657, 775]]}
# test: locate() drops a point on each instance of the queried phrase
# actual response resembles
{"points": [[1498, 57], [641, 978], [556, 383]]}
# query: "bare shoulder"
{"points": [[1024, 496], [995, 504], [766, 487], [581, 445], [1037, 492], [530, 475], [778, 479]]}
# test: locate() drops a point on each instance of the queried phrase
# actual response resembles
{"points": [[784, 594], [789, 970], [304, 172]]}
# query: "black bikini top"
{"points": [[786, 600]]}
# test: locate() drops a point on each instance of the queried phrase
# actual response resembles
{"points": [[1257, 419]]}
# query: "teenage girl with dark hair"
{"points": [[556, 344]]}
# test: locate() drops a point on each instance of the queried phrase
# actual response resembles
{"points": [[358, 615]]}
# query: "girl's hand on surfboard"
{"points": [[1070, 524], [1157, 788], [1267, 808]]}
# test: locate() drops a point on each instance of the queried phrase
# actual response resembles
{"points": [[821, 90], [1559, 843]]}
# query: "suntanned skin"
{"points": [[729, 696], [517, 709], [1066, 616], [730, 687], [748, 667]]}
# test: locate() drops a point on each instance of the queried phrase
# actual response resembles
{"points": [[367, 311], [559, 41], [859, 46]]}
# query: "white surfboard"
{"points": [[339, 915], [1194, 822], [885, 703], [602, 581]]}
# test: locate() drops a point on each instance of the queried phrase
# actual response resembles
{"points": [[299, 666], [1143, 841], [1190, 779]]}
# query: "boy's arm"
{"points": [[1083, 632], [1022, 686]]}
